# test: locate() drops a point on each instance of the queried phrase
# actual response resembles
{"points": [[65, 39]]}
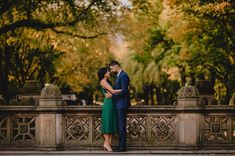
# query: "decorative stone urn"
{"points": [[50, 96], [206, 91], [29, 94], [188, 96]]}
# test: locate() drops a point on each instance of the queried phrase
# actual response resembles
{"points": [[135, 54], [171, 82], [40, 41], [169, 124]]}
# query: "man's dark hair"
{"points": [[114, 63]]}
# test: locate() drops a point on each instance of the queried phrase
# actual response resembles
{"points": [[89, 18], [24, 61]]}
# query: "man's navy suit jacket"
{"points": [[122, 99]]}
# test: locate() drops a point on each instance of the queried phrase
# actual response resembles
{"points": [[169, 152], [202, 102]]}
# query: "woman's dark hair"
{"points": [[102, 71]]}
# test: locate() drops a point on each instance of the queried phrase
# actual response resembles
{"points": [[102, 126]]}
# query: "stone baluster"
{"points": [[189, 117], [49, 120]]}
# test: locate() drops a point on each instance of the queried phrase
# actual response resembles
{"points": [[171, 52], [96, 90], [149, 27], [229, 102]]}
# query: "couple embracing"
{"points": [[115, 106]]}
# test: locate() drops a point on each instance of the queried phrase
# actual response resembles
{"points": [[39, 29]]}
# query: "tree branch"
{"points": [[79, 36], [37, 24]]}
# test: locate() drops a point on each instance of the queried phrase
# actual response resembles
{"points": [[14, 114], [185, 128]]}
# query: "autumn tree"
{"points": [[207, 37], [60, 42], [182, 38]]}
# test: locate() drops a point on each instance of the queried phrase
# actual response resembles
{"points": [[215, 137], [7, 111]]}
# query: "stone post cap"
{"points": [[188, 91], [50, 91], [188, 96]]}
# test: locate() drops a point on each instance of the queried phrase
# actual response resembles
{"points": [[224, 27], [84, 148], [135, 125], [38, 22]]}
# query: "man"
{"points": [[122, 102]]}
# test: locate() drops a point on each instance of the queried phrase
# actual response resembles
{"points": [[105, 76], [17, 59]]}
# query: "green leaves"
{"points": [[62, 42], [194, 37]]}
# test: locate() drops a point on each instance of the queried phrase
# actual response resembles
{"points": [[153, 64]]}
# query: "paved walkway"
{"points": [[129, 153]]}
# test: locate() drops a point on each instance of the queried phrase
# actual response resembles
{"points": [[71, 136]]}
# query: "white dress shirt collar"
{"points": [[119, 73]]}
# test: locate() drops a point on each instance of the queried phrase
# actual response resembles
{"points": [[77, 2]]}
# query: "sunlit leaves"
{"points": [[67, 41], [193, 37]]}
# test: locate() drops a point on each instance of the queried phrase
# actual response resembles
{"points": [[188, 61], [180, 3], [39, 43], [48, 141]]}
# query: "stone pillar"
{"points": [[189, 116], [49, 120]]}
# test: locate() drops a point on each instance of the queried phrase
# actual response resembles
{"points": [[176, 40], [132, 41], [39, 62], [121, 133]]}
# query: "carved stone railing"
{"points": [[53, 125], [78, 127]]}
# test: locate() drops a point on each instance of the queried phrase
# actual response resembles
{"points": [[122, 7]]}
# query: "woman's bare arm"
{"points": [[106, 85]]}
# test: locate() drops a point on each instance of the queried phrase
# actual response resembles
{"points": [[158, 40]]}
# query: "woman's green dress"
{"points": [[109, 123]]}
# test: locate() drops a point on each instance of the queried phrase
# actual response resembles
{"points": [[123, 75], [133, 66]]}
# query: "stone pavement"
{"points": [[129, 153]]}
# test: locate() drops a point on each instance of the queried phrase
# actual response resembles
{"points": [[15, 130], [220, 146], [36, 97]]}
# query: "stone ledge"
{"points": [[131, 109], [134, 152]]}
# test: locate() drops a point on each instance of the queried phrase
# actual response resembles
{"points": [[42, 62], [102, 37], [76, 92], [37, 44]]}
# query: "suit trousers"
{"points": [[121, 121]]}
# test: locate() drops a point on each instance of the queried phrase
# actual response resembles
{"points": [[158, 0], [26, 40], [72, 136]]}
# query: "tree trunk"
{"points": [[152, 94], [158, 95], [1, 71], [146, 95], [5, 80], [230, 89], [182, 75]]}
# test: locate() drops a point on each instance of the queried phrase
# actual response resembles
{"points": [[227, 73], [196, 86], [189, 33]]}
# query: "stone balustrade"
{"points": [[78, 127], [52, 125]]}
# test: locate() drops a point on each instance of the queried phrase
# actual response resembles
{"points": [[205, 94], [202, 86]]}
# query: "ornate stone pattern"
{"points": [[4, 128], [163, 128], [97, 129], [77, 128], [23, 128], [215, 129], [137, 128], [50, 91]]}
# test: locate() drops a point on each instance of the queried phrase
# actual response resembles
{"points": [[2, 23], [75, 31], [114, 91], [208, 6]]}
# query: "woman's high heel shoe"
{"points": [[107, 147]]}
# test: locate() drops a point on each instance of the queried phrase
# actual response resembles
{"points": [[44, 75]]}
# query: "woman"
{"points": [[109, 125]]}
